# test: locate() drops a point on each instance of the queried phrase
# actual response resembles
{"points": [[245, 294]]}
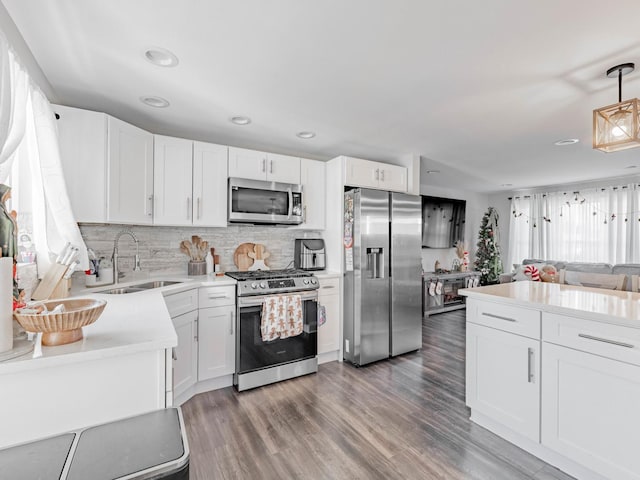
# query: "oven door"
{"points": [[254, 354], [256, 201]]}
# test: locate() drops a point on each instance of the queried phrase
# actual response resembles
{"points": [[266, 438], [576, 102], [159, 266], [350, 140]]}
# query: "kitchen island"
{"points": [[122, 367], [555, 369]]}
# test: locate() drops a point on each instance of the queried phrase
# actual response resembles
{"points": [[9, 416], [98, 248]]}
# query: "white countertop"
{"points": [[326, 274], [611, 306], [130, 323]]}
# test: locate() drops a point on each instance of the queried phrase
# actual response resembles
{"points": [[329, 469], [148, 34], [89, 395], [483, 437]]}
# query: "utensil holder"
{"points": [[197, 268]]}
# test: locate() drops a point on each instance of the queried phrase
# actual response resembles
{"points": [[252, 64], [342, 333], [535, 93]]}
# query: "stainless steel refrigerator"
{"points": [[383, 275]]}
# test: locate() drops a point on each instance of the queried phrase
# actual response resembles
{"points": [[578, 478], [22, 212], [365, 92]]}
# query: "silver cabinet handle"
{"points": [[195, 335], [199, 209], [606, 340], [231, 323], [213, 297], [328, 286], [377, 174], [150, 200], [304, 214], [270, 166], [264, 165], [188, 207], [382, 175], [491, 315], [531, 366], [174, 355]]}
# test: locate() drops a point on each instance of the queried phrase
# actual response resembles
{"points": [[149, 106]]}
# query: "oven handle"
{"points": [[259, 299]]}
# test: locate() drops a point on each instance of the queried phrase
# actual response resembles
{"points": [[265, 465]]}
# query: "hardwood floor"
{"points": [[402, 418]]}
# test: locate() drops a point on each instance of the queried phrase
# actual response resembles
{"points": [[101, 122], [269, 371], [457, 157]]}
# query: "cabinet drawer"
{"points": [[616, 342], [217, 296], [509, 318], [183, 302], [329, 286]]}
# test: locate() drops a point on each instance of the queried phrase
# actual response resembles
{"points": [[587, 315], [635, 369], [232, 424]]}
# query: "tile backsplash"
{"points": [[159, 246]]}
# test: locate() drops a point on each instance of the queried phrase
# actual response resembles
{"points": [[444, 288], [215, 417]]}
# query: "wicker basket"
{"points": [[65, 327]]}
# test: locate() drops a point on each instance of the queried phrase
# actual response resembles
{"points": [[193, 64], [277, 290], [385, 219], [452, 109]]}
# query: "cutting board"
{"points": [[241, 256]]}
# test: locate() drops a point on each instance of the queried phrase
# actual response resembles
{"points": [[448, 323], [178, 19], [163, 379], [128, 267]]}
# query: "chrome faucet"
{"points": [[114, 256]]}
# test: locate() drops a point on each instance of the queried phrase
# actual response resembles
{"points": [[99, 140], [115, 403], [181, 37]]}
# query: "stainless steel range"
{"points": [[259, 361]]}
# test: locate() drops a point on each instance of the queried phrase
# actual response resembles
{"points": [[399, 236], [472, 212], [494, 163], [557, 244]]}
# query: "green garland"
{"points": [[488, 261]]}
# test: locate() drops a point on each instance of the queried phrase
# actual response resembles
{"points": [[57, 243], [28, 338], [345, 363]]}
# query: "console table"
{"points": [[449, 298]]}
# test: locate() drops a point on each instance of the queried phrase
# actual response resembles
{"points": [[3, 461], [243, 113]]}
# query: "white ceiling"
{"points": [[480, 90]]}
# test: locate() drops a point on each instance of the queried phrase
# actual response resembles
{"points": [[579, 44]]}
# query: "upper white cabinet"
{"points": [[368, 174], [130, 177], [190, 181], [108, 167], [313, 180], [209, 184], [172, 181], [256, 165]]}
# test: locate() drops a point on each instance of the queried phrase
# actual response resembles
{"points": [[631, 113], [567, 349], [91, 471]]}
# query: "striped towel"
{"points": [[281, 317]]}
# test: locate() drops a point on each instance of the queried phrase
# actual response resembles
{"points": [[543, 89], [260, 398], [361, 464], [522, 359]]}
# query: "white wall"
{"points": [[477, 204], [24, 53]]}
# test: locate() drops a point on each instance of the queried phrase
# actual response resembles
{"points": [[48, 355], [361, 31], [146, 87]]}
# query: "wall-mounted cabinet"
{"points": [[108, 167], [190, 181], [369, 174], [313, 181], [256, 165]]}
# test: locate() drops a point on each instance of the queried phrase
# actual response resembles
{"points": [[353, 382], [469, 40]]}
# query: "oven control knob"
{"points": [[262, 285], [254, 286], [313, 281], [305, 281]]}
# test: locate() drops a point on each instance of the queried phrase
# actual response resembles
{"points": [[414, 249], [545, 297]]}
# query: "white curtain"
{"points": [[30, 162], [597, 225]]}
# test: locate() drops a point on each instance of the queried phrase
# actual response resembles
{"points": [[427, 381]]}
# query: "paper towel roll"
{"points": [[6, 304]]}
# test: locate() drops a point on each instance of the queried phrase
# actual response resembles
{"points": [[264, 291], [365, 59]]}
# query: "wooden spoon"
{"points": [[185, 247]]}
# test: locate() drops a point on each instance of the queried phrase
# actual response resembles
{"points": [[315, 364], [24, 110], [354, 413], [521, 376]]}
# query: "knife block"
{"points": [[53, 285]]}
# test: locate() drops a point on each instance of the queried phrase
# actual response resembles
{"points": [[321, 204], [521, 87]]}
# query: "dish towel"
{"points": [[281, 317]]}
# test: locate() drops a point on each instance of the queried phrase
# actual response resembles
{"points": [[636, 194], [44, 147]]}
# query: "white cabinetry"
{"points": [[183, 309], [190, 181], [503, 365], [369, 174], [216, 332], [591, 387], [256, 165], [313, 180], [329, 333], [108, 167]]}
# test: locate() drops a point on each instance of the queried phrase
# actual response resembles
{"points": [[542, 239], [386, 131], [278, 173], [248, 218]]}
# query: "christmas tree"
{"points": [[488, 261]]}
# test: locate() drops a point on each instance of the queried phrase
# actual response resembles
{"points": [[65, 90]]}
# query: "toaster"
{"points": [[309, 254]]}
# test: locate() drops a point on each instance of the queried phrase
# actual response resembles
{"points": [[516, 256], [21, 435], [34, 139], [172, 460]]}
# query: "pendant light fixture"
{"points": [[617, 127]]}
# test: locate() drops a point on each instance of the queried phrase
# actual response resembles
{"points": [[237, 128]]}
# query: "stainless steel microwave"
{"points": [[258, 201]]}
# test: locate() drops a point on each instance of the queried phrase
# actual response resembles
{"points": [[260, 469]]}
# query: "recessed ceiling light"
{"points": [[241, 120], [157, 102], [306, 135], [161, 57], [632, 166], [433, 171], [507, 185], [568, 141]]}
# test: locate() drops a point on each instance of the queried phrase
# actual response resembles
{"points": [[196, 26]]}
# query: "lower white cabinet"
{"points": [[185, 355], [216, 342], [590, 410], [503, 378], [329, 333]]}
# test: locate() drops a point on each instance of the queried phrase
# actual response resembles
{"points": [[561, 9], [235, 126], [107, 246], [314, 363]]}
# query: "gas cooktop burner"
{"points": [[268, 282], [269, 274]]}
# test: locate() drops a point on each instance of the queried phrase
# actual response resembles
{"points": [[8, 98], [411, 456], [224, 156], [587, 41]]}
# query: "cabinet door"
{"points": [[329, 333], [217, 344], [172, 177], [283, 168], [361, 173], [393, 177], [503, 378], [130, 165], [590, 410], [82, 136], [313, 180], [245, 163], [185, 358], [209, 184]]}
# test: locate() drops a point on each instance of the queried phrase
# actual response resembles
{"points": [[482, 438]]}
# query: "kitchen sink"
{"points": [[139, 287]]}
